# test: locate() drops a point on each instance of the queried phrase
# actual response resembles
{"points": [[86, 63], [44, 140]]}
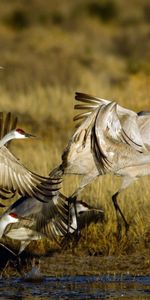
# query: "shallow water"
{"points": [[77, 287], [79, 277]]}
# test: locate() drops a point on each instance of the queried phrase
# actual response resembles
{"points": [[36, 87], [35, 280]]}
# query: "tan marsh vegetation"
{"points": [[49, 50]]}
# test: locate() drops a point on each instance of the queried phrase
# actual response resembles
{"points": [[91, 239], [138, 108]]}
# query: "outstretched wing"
{"points": [[15, 177], [45, 219], [53, 218], [124, 121], [91, 103], [88, 103]]}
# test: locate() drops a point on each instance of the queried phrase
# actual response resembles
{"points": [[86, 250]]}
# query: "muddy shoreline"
{"points": [[58, 265], [67, 264]]}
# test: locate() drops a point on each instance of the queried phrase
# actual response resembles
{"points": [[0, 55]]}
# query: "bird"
{"points": [[80, 216], [28, 219], [14, 176], [86, 215], [108, 139]]}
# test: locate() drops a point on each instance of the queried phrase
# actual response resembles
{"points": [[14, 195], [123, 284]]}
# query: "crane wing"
{"points": [[48, 219], [144, 127], [123, 119], [15, 177], [109, 129], [90, 103]]}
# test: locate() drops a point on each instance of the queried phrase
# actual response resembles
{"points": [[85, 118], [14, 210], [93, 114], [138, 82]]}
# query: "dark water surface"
{"points": [[77, 287], [79, 277]]}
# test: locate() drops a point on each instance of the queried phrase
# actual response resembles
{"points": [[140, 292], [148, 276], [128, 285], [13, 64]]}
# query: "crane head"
{"points": [[21, 134]]}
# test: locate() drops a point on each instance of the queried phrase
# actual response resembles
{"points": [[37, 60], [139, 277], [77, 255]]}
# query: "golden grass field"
{"points": [[49, 50]]}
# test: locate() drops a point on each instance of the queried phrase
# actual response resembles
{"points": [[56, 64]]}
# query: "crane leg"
{"points": [[15, 261], [117, 208]]}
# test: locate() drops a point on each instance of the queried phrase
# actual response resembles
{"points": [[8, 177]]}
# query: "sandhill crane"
{"points": [[86, 214], [14, 177], [109, 139], [81, 216], [28, 219]]}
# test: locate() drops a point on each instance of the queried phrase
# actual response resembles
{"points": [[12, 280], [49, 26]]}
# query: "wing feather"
{"points": [[15, 177]]}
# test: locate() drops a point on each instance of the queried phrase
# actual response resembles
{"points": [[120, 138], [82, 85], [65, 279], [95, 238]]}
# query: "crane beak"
{"points": [[28, 135]]}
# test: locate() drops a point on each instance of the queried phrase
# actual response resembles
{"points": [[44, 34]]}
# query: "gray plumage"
{"points": [[109, 139], [28, 219], [86, 215]]}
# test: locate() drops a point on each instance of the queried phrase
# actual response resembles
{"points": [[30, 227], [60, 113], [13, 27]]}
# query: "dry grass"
{"points": [[48, 55]]}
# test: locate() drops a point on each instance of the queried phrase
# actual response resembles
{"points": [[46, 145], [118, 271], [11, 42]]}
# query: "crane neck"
{"points": [[9, 136]]}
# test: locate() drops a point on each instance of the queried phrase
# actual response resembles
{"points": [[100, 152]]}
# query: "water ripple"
{"points": [[77, 287]]}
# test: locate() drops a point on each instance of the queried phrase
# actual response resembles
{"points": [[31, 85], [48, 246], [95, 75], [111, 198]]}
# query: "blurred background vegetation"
{"points": [[50, 49]]}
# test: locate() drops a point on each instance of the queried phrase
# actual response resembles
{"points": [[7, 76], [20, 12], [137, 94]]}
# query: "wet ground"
{"points": [[77, 287], [68, 264], [74, 277]]}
